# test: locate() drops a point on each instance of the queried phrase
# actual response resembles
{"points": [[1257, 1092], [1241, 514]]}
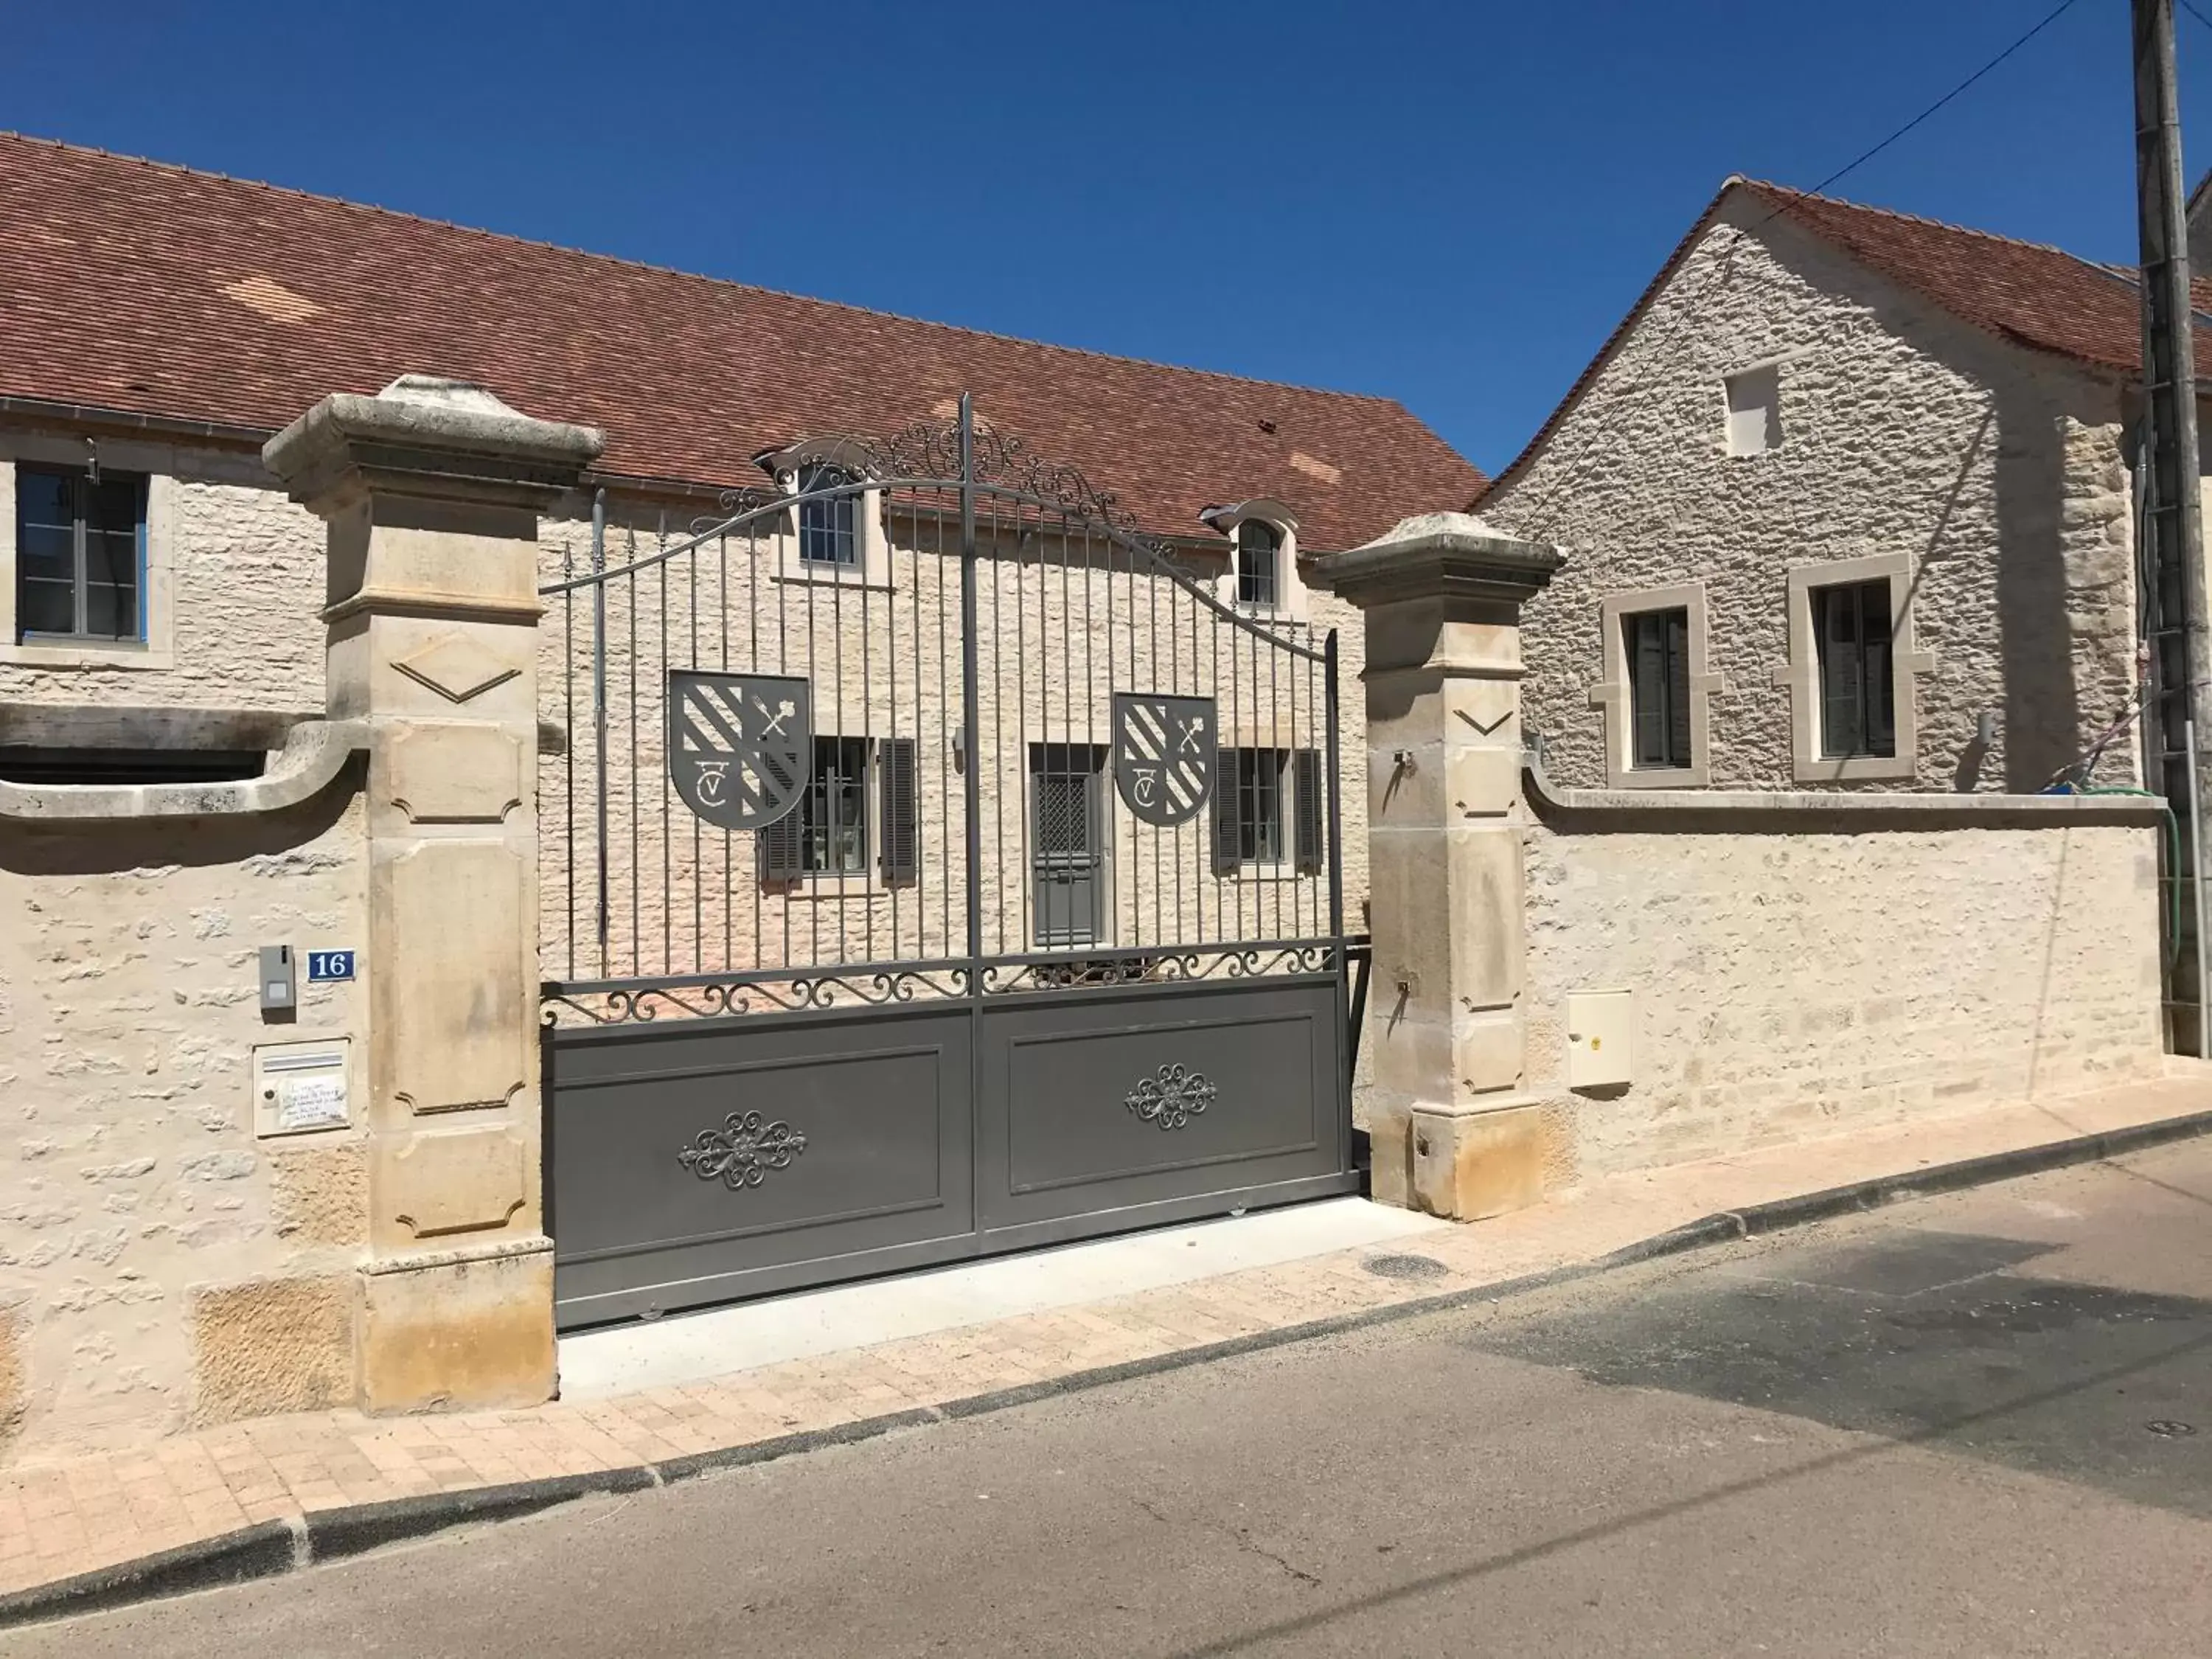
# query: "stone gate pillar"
{"points": [[431, 491], [1451, 1132]]}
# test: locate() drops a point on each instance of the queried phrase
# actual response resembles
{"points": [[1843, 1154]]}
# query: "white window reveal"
{"points": [[1754, 411], [1263, 575]]}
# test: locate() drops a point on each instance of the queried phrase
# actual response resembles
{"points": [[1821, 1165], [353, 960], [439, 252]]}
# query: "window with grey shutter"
{"points": [[1657, 643], [1307, 796], [1227, 832], [899, 809], [1858, 700]]}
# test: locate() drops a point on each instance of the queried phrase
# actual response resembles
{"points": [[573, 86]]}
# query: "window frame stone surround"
{"points": [[1612, 695], [157, 650], [872, 568], [1801, 675]]}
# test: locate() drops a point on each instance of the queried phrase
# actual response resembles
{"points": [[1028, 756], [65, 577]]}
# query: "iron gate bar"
{"points": [[1036, 1043]]}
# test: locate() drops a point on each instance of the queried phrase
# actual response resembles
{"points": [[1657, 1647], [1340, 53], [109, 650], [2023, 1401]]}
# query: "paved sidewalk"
{"points": [[65, 1517]]}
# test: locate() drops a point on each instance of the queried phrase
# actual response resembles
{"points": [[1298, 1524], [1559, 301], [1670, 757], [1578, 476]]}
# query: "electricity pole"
{"points": [[2180, 706]]}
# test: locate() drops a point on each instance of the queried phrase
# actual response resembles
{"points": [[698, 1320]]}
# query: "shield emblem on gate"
{"points": [[1164, 751], [740, 747]]}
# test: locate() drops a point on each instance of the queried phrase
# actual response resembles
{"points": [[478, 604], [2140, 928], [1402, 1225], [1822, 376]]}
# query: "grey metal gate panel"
{"points": [[1108, 1105], [664, 1193]]}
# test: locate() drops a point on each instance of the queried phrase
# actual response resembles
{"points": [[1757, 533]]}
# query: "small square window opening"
{"points": [[1754, 411]]}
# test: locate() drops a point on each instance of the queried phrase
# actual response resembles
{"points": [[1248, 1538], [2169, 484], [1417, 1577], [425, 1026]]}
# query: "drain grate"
{"points": [[1405, 1267]]}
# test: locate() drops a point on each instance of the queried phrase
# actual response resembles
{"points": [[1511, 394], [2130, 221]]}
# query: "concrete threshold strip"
{"points": [[273, 1547]]}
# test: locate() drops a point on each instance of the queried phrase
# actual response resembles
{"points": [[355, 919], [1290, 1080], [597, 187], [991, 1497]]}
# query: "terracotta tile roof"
{"points": [[2040, 298], [138, 287]]}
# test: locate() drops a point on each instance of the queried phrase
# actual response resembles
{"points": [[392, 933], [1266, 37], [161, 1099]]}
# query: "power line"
{"points": [[2197, 15], [1857, 161]]}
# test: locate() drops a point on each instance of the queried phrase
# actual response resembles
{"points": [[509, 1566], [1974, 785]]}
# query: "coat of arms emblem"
{"points": [[740, 747], [1164, 751]]}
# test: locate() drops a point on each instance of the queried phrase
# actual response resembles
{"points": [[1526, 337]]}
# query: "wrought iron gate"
{"points": [[935, 866]]}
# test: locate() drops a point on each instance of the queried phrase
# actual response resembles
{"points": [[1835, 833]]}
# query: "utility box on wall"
{"points": [[300, 1087], [1600, 1039]]}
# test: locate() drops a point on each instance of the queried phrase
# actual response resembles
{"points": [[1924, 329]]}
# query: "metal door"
{"points": [[1067, 836]]}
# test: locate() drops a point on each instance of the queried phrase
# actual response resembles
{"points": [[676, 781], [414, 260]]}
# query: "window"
{"points": [[1853, 659], [1858, 703], [1657, 647], [1754, 411], [829, 529], [1260, 806], [1268, 810], [1654, 687], [832, 831], [80, 555], [1258, 548]]}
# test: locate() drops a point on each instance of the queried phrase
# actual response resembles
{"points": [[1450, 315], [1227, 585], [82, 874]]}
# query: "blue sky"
{"points": [[1451, 204]]}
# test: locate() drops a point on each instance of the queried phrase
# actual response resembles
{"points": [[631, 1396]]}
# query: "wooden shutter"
{"points": [[1647, 695], [1678, 688], [1226, 807], [778, 846], [1842, 663], [1308, 800], [899, 809]]}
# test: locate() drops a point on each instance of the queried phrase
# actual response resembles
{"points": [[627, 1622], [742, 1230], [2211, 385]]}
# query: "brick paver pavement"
{"points": [[63, 1516]]}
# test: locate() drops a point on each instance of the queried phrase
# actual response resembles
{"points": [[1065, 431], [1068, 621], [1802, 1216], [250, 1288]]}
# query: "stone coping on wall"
{"points": [[313, 754], [1803, 810]]}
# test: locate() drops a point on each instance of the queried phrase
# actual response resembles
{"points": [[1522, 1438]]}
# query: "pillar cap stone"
{"points": [[426, 435], [1439, 555]]}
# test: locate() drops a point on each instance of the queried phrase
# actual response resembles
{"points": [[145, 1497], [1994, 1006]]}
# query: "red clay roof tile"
{"points": [[152, 289]]}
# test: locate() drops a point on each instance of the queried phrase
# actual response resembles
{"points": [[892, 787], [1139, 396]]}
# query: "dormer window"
{"points": [[1259, 553], [829, 527], [1261, 575]]}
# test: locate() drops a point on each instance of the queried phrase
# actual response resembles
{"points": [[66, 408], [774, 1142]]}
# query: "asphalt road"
{"points": [[1979, 1425]]}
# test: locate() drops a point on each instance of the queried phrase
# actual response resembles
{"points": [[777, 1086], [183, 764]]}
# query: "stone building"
{"points": [[184, 701], [1847, 502], [1848, 578]]}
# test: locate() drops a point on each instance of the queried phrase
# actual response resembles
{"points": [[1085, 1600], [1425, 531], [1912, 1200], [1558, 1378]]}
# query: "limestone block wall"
{"points": [[1997, 476], [1817, 981], [158, 1265]]}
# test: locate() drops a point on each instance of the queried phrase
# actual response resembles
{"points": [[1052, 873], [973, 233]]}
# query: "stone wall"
{"points": [[1997, 476], [1829, 974], [158, 1265]]}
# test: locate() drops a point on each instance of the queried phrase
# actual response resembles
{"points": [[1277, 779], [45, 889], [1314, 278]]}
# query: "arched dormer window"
{"points": [[829, 527], [1263, 575], [1258, 558]]}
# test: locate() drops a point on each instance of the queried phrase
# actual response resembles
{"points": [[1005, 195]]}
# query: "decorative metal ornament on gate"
{"points": [[1163, 749], [742, 1151], [1173, 1097], [740, 747]]}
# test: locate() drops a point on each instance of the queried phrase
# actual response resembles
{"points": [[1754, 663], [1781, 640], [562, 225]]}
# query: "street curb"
{"points": [[275, 1547], [256, 1552], [333, 1534]]}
